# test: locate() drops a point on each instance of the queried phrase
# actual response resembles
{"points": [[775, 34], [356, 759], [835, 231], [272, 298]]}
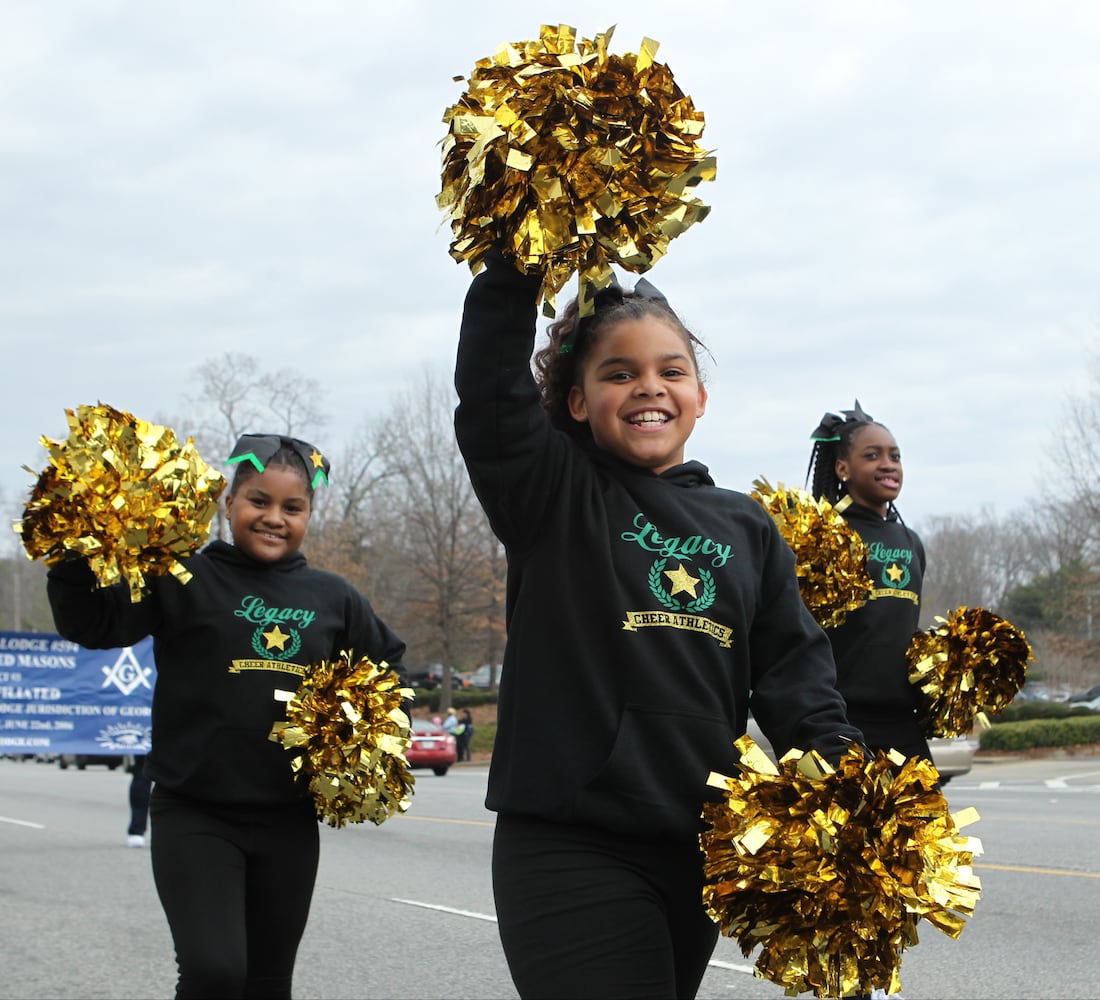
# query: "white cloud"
{"points": [[906, 210]]}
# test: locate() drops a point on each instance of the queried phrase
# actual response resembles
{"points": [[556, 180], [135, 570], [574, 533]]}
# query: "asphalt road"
{"points": [[405, 909]]}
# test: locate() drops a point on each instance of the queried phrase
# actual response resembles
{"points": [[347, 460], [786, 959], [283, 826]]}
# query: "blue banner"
{"points": [[58, 697]]}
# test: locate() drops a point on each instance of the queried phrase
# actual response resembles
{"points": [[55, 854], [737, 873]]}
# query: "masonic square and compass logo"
{"points": [[126, 673]]}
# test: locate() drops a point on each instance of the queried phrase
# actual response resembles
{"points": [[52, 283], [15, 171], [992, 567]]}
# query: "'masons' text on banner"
{"points": [[58, 697]]}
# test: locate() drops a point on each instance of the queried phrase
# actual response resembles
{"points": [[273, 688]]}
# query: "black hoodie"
{"points": [[869, 648], [224, 643], [644, 611]]}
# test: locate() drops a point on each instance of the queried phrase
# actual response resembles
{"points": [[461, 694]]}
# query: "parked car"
{"points": [[82, 760], [1086, 699], [432, 677], [431, 747], [479, 678], [952, 757], [1041, 691]]}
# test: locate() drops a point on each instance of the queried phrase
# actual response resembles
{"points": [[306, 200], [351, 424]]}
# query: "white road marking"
{"points": [[22, 822], [729, 966], [446, 909], [1062, 782], [1048, 784], [746, 969]]}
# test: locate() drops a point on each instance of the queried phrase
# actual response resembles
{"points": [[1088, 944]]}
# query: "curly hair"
{"points": [[560, 364]]}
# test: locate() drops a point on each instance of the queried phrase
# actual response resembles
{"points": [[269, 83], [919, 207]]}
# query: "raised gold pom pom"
{"points": [[570, 158], [123, 494]]}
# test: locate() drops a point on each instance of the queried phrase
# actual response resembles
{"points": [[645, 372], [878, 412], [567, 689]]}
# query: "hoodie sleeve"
{"points": [[514, 456], [794, 695], [98, 617], [368, 635]]}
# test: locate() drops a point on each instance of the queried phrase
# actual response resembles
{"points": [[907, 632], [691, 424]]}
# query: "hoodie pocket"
{"points": [[653, 783]]}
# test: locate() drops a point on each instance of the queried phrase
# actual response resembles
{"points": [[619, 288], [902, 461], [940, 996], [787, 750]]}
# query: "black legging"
{"points": [[585, 913], [235, 882]]}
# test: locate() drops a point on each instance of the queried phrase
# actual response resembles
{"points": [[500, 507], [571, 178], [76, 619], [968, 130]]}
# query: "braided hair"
{"points": [[559, 366], [832, 441]]}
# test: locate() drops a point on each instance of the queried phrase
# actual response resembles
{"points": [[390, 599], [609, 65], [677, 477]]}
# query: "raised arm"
{"points": [[97, 617], [513, 455]]}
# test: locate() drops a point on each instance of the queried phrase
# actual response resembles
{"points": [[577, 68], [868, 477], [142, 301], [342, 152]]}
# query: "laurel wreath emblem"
{"points": [[701, 603], [269, 654], [900, 583]]}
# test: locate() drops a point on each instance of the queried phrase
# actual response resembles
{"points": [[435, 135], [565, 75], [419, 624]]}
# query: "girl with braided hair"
{"points": [[646, 610], [856, 465]]}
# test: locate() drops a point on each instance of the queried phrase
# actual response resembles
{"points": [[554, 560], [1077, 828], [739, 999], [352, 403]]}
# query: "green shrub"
{"points": [[484, 737], [466, 698], [1019, 711], [1073, 730]]}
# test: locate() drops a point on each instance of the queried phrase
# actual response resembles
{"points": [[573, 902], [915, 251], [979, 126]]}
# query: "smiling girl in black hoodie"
{"points": [[856, 466], [234, 837], [647, 609]]}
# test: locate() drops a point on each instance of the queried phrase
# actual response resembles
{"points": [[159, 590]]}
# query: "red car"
{"points": [[431, 747]]}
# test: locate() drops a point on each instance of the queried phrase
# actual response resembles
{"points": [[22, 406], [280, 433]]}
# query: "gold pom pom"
{"points": [[125, 495], [973, 661], [349, 727], [830, 557], [571, 158], [828, 870]]}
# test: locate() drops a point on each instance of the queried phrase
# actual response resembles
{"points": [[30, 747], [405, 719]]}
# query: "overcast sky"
{"points": [[907, 210]]}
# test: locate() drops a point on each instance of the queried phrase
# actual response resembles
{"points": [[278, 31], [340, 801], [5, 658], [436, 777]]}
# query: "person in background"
{"points": [[234, 836], [647, 610], [141, 786], [450, 722], [855, 464], [464, 734]]}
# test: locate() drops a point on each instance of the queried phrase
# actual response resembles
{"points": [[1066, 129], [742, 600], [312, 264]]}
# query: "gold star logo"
{"points": [[317, 459], [895, 573], [276, 638], [682, 581]]}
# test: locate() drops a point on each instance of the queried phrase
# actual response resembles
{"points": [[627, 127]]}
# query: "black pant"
{"points": [[235, 882], [585, 913]]}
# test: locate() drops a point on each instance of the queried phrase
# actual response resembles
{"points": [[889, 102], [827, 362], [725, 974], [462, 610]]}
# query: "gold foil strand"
{"points": [[349, 731], [571, 159], [830, 556], [123, 494], [828, 870], [971, 662]]}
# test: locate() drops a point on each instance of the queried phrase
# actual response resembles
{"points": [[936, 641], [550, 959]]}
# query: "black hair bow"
{"points": [[608, 297], [259, 449], [831, 423]]}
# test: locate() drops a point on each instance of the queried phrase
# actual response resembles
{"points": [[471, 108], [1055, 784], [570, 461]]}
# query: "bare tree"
{"points": [[289, 403], [350, 523], [441, 529], [1077, 462], [235, 396], [980, 559], [23, 603]]}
